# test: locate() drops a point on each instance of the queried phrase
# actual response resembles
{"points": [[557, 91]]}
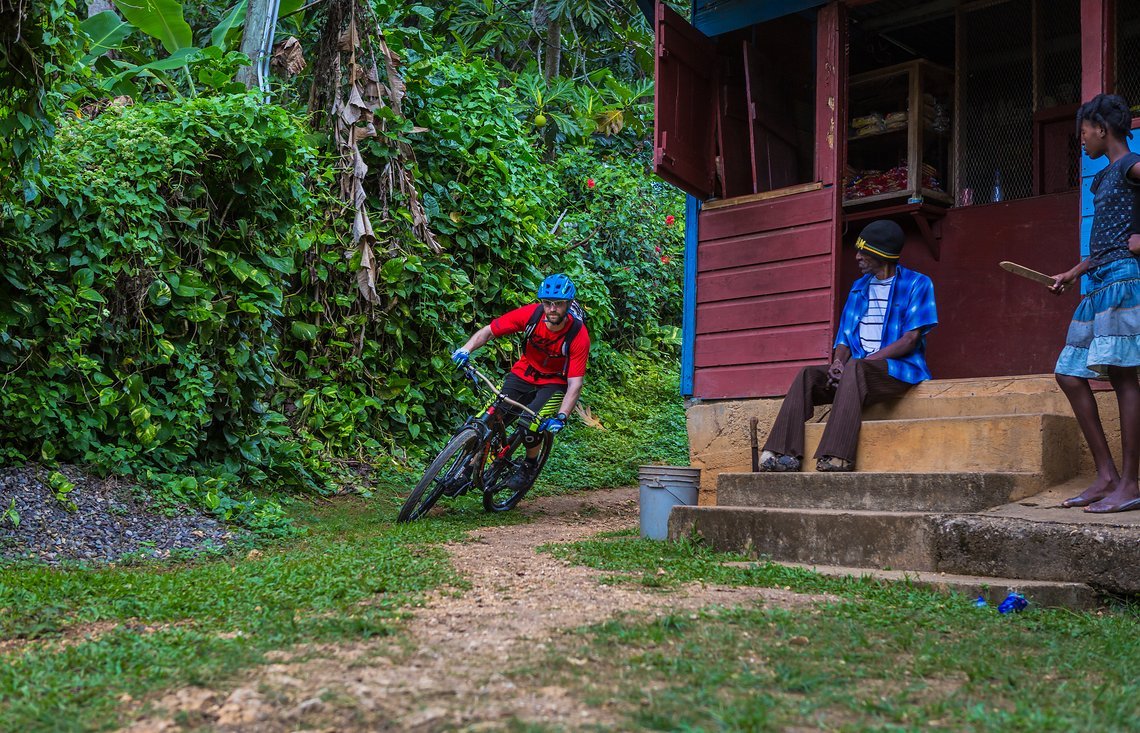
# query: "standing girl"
{"points": [[1104, 336]]}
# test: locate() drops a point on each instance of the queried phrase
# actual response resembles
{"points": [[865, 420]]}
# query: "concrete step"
{"points": [[1043, 593], [868, 539], [1105, 554], [1044, 444], [925, 492], [975, 397], [1102, 551]]}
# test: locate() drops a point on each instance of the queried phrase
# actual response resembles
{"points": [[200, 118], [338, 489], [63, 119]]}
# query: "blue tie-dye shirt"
{"points": [[910, 307]]}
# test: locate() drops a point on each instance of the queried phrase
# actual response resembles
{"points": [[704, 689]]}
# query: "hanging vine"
{"points": [[348, 91]]}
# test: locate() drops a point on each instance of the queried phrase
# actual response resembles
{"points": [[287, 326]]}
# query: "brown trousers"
{"points": [[863, 383]]}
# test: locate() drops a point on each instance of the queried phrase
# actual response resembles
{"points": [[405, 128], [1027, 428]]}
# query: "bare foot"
{"points": [[1125, 495], [1096, 491]]}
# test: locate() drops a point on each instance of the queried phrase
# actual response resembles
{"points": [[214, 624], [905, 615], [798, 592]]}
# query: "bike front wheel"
{"points": [[445, 470], [499, 495]]}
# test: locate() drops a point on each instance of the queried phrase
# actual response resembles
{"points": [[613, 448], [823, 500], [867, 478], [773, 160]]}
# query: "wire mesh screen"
{"points": [[995, 151], [1128, 52], [1059, 53], [1018, 58], [1058, 87]]}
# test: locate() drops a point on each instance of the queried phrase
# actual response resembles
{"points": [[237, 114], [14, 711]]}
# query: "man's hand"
{"points": [[553, 424], [461, 357], [835, 372]]}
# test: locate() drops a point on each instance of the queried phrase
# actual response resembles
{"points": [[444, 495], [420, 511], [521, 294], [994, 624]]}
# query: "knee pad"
{"points": [[531, 438]]}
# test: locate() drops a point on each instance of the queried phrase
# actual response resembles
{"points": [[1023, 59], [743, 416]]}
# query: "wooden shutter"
{"points": [[685, 102]]}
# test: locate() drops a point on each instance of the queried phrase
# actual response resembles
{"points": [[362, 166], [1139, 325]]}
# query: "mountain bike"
{"points": [[483, 455]]}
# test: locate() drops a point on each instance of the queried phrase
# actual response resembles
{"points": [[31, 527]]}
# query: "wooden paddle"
{"points": [[1023, 271]]}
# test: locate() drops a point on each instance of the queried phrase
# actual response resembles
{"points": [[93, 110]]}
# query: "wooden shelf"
{"points": [[928, 127], [928, 195], [905, 88], [926, 216]]}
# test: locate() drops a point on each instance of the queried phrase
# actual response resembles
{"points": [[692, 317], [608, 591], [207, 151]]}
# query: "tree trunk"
{"points": [[256, 25], [553, 49]]}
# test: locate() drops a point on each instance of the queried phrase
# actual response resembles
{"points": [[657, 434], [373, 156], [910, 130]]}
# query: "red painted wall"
{"points": [[764, 277], [763, 290], [992, 323]]}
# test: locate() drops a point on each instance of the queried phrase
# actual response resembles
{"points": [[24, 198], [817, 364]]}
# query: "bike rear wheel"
{"points": [[444, 470], [497, 495]]}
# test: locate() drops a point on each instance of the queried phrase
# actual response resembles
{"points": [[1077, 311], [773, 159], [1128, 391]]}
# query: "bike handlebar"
{"points": [[476, 375]]}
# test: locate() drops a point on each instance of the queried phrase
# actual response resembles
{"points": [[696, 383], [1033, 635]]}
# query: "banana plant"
{"points": [[164, 20], [106, 31], [160, 19]]}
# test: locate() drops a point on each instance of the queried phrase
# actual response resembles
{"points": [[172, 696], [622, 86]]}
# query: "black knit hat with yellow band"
{"points": [[882, 238]]}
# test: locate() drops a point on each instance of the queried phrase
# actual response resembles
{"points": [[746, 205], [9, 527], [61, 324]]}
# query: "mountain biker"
{"points": [[549, 375]]}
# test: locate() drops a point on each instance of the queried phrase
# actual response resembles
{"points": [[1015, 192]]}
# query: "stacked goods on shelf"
{"points": [[861, 184], [895, 120], [933, 114], [868, 125]]}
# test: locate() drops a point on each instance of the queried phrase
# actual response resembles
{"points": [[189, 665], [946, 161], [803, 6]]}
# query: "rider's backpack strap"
{"points": [[532, 323]]}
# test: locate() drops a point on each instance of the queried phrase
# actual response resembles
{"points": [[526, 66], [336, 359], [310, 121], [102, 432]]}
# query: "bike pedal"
{"points": [[459, 490]]}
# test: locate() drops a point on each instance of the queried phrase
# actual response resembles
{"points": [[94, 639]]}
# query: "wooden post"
{"points": [[755, 444], [830, 93], [1098, 47], [831, 132]]}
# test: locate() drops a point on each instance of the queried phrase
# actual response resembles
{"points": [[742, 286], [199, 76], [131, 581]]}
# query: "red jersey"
{"points": [[542, 360]]}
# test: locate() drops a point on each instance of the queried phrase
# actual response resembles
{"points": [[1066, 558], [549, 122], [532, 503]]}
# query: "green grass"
{"points": [[643, 416], [84, 637], [883, 656], [74, 640]]}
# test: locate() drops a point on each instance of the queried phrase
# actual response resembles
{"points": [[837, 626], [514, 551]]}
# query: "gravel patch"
{"points": [[108, 522]]}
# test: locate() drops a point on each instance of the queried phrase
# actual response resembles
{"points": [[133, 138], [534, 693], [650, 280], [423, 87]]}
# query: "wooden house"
{"points": [[792, 123]]}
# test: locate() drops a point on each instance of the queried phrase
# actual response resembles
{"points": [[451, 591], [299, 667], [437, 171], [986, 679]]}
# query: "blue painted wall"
{"points": [[713, 17], [689, 314], [1089, 168]]}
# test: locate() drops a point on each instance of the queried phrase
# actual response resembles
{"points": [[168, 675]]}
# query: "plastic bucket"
{"points": [[660, 489]]}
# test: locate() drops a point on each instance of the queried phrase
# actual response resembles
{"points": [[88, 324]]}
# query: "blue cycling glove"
{"points": [[461, 357], [553, 424]]}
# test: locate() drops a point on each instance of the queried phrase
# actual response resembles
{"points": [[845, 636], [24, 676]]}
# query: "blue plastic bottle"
{"points": [[1014, 602]]}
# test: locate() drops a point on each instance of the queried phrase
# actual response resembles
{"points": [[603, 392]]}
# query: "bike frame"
{"points": [[491, 423]]}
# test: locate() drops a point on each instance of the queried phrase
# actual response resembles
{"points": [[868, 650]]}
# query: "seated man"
{"points": [[879, 355]]}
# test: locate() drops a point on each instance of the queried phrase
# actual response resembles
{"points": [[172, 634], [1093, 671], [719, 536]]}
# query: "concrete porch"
{"points": [[959, 480]]}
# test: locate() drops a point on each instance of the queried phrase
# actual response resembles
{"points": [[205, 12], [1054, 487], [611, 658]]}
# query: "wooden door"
{"points": [[772, 141]]}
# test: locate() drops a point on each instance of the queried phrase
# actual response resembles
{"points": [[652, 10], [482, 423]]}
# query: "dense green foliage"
{"points": [[176, 300], [642, 422], [39, 49], [142, 293]]}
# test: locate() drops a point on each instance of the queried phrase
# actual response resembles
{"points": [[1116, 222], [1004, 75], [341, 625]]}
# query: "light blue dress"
{"points": [[1105, 330]]}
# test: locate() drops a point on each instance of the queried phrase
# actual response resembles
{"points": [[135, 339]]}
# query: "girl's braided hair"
{"points": [[1109, 111]]}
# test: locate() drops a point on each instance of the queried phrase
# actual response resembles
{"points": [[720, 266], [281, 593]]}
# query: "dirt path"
{"points": [[448, 673]]}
